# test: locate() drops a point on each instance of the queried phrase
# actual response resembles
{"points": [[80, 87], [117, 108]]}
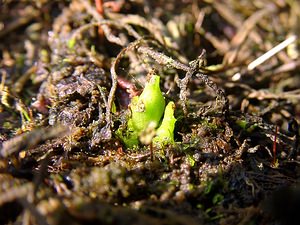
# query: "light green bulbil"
{"points": [[71, 43], [147, 110], [165, 133], [149, 106]]}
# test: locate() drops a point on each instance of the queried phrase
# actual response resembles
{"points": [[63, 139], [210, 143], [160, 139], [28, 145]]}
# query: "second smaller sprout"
{"points": [[165, 133]]}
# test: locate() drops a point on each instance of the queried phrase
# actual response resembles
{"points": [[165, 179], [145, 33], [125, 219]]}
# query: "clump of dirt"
{"points": [[66, 85]]}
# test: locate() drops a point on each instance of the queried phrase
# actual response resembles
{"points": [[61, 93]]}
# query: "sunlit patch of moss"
{"points": [[214, 190], [7, 125], [191, 160], [211, 125]]}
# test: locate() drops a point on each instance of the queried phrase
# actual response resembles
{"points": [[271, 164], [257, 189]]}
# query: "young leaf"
{"points": [[165, 133], [149, 106]]}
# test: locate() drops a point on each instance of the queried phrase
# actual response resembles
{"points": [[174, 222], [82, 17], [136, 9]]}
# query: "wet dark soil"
{"points": [[69, 70]]}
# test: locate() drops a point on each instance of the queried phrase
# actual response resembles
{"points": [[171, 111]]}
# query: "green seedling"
{"points": [[246, 125], [146, 112], [165, 133], [71, 43], [148, 107]]}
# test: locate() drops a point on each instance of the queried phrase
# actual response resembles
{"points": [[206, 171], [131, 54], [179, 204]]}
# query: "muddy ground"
{"points": [[69, 70]]}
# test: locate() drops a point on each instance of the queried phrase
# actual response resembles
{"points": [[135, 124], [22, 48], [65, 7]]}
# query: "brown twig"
{"points": [[194, 68], [274, 145]]}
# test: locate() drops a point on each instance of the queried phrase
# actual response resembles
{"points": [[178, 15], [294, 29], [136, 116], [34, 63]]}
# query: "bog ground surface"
{"points": [[69, 70]]}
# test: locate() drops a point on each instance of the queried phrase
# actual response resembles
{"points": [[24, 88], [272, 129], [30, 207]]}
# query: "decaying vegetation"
{"points": [[69, 70]]}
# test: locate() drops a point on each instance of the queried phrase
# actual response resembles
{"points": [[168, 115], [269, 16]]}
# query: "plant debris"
{"points": [[230, 70]]}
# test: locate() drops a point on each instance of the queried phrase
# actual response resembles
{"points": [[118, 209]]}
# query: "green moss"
{"points": [[191, 160]]}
